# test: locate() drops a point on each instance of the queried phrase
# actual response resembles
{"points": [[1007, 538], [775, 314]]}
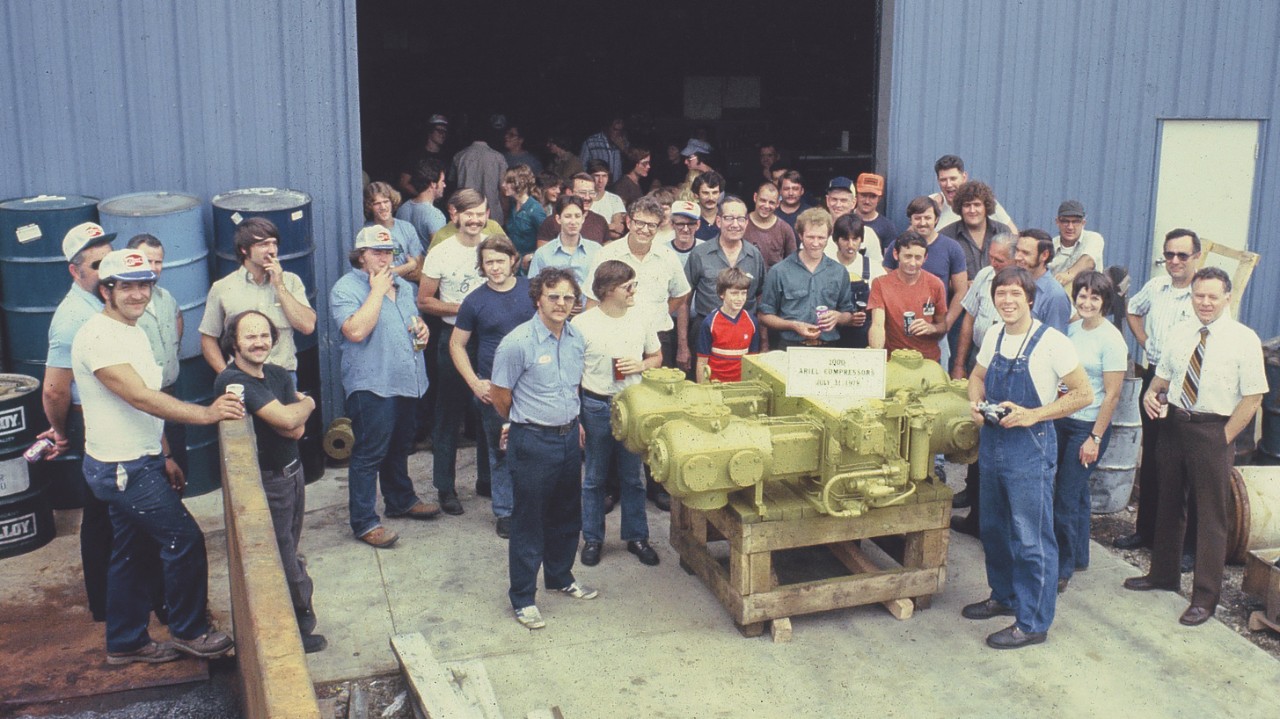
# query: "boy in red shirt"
{"points": [[729, 333]]}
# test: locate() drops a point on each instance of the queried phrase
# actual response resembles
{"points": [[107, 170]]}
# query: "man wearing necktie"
{"points": [[1213, 376]]}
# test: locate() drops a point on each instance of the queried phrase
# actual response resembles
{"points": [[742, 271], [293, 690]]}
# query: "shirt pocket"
{"points": [[795, 294]]}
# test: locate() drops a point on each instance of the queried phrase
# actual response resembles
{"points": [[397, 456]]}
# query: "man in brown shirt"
{"points": [[775, 239]]}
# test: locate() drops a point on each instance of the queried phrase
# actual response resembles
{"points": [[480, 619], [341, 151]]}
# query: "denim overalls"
{"points": [[1017, 467]]}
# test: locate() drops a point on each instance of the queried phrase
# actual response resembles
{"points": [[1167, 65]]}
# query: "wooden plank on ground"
{"points": [[429, 683], [472, 680], [856, 560]]}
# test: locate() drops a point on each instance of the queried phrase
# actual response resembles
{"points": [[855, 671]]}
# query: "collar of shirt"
{"points": [[247, 277], [541, 332], [559, 247], [95, 302]]}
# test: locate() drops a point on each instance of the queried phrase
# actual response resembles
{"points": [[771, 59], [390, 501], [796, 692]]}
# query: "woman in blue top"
{"points": [[380, 204], [1084, 436], [527, 216]]}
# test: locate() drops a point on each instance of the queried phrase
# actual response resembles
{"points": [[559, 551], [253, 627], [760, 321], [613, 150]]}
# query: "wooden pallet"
{"points": [[748, 586]]}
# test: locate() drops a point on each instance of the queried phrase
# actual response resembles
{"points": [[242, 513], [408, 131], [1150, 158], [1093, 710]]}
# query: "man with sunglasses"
{"points": [[1161, 304]]}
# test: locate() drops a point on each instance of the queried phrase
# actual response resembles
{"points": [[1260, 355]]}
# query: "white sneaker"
{"points": [[530, 617], [579, 591]]}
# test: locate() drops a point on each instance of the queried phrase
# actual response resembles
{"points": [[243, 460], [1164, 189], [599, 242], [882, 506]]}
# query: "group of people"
{"points": [[533, 303]]}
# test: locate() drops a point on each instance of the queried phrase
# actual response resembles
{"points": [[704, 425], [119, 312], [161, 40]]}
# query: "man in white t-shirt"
{"points": [[128, 466], [1075, 249], [607, 204], [1020, 367], [949, 169], [450, 273]]}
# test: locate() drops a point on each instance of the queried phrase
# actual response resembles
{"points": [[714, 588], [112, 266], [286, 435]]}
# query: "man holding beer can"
{"points": [[908, 292]]}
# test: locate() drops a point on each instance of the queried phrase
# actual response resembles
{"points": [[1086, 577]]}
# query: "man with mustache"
{"points": [[260, 284]]}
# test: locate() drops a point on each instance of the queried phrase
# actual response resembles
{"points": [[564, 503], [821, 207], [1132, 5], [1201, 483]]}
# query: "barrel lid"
{"points": [[147, 204], [13, 386], [260, 199], [40, 203]]}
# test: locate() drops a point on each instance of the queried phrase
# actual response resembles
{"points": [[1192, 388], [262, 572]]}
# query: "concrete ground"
{"points": [[657, 644]]}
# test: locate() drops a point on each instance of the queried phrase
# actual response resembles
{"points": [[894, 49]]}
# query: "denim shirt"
{"points": [[385, 363], [553, 254], [542, 372]]}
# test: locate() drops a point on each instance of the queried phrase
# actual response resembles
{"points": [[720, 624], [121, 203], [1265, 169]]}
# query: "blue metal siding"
{"points": [[105, 97], [1046, 101]]}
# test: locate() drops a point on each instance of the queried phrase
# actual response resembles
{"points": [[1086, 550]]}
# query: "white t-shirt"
{"points": [[1101, 349], [1090, 243], [608, 206], [1054, 357], [608, 337], [115, 431], [871, 247], [455, 266]]}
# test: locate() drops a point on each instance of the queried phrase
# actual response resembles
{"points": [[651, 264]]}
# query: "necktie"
{"points": [[1191, 383]]}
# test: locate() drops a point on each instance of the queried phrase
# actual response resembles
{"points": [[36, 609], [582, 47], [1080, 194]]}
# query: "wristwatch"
{"points": [[1096, 439]]}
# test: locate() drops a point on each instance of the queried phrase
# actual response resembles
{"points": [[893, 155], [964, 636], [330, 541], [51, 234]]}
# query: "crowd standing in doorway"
{"points": [[550, 283]]}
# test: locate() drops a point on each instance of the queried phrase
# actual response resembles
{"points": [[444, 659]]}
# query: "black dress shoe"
{"points": [[1195, 616], [1130, 541], [1188, 562], [641, 549], [1145, 584], [986, 609], [591, 553], [449, 503], [960, 500], [966, 525], [504, 527], [1014, 638], [662, 500]]}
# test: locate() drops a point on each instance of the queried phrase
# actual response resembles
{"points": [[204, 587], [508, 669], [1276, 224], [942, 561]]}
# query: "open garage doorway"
{"points": [[800, 74]]}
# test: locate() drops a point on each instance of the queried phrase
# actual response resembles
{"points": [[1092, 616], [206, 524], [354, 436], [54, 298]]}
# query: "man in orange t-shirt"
{"points": [[908, 289]]}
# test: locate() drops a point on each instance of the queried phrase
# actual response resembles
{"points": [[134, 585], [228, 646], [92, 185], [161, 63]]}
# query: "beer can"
{"points": [[37, 451], [907, 318]]}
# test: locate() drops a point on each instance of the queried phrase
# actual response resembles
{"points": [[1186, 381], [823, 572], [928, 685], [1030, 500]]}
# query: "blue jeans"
{"points": [[602, 450], [499, 471], [1017, 467], [383, 429], [146, 513], [1071, 503], [546, 518]]}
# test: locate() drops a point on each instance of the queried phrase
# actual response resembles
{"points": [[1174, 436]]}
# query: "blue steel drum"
{"points": [[290, 210], [177, 221], [33, 272], [195, 384]]}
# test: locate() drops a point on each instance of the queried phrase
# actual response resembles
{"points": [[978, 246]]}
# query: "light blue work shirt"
{"points": [[408, 243], [542, 372], [74, 310], [424, 216], [1052, 306], [385, 363], [553, 254]]}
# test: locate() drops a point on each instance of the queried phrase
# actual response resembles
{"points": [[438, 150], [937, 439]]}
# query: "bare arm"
{"points": [[1067, 276], [288, 420], [959, 287], [432, 305], [875, 335], [700, 373], [1078, 396], [409, 270], [301, 317], [682, 331], [361, 323], [212, 353], [501, 397], [1138, 325], [124, 381], [963, 345], [1240, 417], [458, 352], [56, 397]]}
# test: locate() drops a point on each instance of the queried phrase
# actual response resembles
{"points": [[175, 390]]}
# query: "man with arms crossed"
{"points": [[280, 415]]}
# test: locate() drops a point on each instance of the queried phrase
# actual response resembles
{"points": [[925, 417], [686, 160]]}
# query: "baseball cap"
{"points": [[438, 120], [374, 237], [696, 147], [84, 235], [685, 208], [840, 183], [871, 183], [1071, 208], [127, 265]]}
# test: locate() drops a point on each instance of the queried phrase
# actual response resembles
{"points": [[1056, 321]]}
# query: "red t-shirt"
{"points": [[891, 294], [724, 341]]}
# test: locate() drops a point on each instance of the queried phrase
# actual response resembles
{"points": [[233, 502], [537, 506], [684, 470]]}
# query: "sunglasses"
{"points": [[1180, 256], [95, 265], [557, 299]]}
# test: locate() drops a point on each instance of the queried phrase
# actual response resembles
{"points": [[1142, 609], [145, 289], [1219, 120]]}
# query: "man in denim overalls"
{"points": [[1021, 367]]}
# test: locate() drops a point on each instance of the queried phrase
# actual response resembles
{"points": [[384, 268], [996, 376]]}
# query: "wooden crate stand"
{"points": [[749, 587]]}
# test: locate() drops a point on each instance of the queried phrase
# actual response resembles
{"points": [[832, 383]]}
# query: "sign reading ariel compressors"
{"points": [[831, 372]]}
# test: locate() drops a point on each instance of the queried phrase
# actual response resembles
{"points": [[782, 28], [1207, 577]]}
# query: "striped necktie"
{"points": [[1191, 383]]}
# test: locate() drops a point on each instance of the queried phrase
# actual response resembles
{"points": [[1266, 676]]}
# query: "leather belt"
{"points": [[596, 395], [813, 343], [556, 428], [1183, 415]]}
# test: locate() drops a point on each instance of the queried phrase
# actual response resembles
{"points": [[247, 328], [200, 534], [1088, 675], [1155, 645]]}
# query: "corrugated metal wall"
{"points": [[102, 97], [1047, 101]]}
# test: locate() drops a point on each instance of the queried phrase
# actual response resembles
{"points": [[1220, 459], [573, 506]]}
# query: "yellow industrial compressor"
{"points": [[704, 442]]}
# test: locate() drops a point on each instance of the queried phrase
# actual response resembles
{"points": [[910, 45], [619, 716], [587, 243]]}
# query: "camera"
{"points": [[992, 413]]}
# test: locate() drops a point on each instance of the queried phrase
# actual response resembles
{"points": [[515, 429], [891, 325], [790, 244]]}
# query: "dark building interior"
{"points": [[800, 74]]}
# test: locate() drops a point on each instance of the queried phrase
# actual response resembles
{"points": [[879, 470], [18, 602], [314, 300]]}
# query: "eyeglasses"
{"points": [[631, 286], [733, 219], [1070, 221], [642, 225], [557, 299], [1180, 256], [684, 225], [95, 265]]}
